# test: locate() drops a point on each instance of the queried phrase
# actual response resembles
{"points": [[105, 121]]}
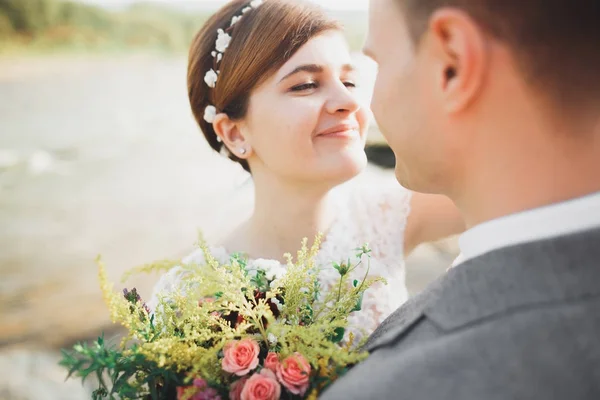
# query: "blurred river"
{"points": [[102, 156]]}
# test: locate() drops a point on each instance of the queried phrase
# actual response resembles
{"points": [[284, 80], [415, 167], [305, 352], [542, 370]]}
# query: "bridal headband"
{"points": [[221, 44]]}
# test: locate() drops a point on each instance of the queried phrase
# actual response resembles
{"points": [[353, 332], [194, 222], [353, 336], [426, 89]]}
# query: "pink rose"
{"points": [[241, 356], [263, 386], [272, 361], [206, 300], [293, 373], [236, 389]]}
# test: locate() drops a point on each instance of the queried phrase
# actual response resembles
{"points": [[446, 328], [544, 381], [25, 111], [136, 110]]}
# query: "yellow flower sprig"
{"points": [[189, 329]]}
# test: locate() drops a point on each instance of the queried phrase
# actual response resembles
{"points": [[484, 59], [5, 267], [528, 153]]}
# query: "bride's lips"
{"points": [[344, 130]]}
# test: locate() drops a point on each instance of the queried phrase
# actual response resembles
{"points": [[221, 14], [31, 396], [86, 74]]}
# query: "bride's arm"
{"points": [[432, 217]]}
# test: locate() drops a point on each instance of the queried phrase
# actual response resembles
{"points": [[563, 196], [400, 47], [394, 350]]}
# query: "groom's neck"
{"points": [[537, 165]]}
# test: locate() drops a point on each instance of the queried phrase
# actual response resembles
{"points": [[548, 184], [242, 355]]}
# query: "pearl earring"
{"points": [[242, 151]]}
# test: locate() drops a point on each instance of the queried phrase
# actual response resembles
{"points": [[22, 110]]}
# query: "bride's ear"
{"points": [[231, 135]]}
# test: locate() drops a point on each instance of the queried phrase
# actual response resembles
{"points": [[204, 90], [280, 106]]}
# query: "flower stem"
{"points": [[257, 321]]}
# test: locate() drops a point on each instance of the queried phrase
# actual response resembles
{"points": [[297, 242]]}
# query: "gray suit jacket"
{"points": [[517, 323]]}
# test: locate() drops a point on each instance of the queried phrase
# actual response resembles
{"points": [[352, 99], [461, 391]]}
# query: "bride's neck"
{"points": [[283, 215]]}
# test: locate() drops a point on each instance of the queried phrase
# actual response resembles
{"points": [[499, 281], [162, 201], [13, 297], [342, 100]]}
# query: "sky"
{"points": [[332, 4]]}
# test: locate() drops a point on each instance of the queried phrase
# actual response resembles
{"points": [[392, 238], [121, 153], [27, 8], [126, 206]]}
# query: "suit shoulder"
{"points": [[544, 353]]}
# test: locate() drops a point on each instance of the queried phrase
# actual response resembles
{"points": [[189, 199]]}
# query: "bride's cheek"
{"points": [[307, 122]]}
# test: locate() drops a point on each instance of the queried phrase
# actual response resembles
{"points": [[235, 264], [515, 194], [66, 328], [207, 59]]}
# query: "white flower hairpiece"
{"points": [[221, 44], [223, 40], [210, 112], [211, 78]]}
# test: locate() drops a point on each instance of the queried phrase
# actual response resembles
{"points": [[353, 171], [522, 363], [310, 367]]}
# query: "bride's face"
{"points": [[306, 122]]}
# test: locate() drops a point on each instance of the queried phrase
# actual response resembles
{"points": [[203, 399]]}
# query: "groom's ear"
{"points": [[460, 53]]}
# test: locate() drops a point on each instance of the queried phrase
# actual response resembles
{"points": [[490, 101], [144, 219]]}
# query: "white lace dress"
{"points": [[366, 214]]}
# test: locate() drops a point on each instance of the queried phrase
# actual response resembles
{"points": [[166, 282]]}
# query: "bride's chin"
{"points": [[343, 167]]}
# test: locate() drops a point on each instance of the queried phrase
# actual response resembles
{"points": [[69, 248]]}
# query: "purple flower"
{"points": [[202, 391], [132, 295]]}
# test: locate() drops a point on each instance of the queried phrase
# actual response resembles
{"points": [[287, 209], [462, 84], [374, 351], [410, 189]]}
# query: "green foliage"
{"points": [[30, 16], [6, 28], [54, 24], [127, 374], [51, 24], [214, 305]]}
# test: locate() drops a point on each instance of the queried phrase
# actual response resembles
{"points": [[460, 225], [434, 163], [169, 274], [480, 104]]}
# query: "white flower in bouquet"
{"points": [[272, 268], [277, 303], [272, 339], [276, 283]]}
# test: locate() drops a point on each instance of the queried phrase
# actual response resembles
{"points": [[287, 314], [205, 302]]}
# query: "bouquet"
{"points": [[244, 330]]}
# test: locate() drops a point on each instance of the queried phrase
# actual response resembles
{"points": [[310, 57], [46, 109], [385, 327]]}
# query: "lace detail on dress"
{"points": [[375, 215]]}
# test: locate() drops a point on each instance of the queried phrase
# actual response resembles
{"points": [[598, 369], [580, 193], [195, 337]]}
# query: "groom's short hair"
{"points": [[556, 42]]}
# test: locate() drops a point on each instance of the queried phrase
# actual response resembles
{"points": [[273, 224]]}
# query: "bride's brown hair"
{"points": [[261, 42]]}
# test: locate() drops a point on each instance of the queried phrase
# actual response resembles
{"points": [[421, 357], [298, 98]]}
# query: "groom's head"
{"points": [[459, 78]]}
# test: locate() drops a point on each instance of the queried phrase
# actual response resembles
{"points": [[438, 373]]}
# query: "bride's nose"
{"points": [[341, 99]]}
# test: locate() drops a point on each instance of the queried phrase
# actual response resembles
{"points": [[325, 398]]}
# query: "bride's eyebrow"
{"points": [[314, 68]]}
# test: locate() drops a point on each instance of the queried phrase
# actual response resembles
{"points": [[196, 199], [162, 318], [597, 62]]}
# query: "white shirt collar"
{"points": [[558, 219]]}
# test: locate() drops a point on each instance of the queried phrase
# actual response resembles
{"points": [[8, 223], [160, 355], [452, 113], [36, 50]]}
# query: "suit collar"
{"points": [[552, 270]]}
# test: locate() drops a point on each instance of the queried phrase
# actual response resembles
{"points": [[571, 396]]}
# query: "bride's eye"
{"points": [[304, 86], [350, 84]]}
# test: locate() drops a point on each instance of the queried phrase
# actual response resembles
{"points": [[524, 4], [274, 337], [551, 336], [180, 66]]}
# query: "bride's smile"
{"points": [[346, 130], [306, 120]]}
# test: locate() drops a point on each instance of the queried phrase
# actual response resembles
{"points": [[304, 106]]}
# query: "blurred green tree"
{"points": [[66, 23]]}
